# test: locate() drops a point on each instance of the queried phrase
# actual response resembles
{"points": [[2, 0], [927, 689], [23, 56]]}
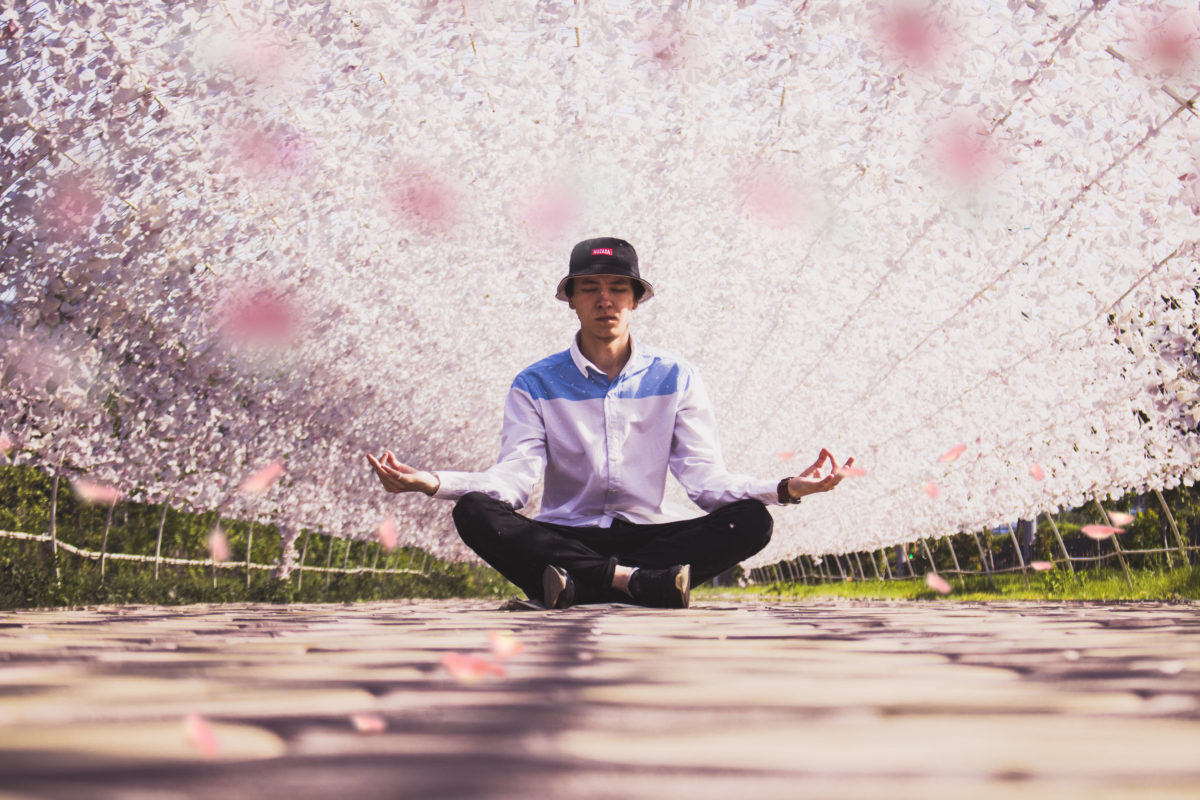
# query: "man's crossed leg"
{"points": [[602, 563]]}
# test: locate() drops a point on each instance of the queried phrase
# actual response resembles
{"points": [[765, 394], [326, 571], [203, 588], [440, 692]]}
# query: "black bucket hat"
{"points": [[604, 256]]}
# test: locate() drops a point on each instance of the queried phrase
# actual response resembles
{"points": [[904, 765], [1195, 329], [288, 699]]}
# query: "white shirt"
{"points": [[605, 447]]}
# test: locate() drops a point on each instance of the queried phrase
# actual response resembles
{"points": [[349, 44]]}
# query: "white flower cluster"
{"points": [[242, 232]]}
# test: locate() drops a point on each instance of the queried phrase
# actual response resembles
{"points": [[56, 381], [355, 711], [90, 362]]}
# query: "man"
{"points": [[603, 421]]}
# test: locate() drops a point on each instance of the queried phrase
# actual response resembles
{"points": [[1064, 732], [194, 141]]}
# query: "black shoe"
{"points": [[662, 588], [558, 590]]}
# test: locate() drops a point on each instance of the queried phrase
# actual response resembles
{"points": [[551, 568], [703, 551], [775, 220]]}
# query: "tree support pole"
{"points": [[104, 540], [249, 543], [1174, 528], [1020, 556], [1113, 538], [328, 561], [303, 555], [953, 555], [162, 523], [984, 560], [1062, 545]]}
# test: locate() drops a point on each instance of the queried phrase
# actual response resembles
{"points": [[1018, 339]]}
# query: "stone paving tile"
{"points": [[816, 699]]}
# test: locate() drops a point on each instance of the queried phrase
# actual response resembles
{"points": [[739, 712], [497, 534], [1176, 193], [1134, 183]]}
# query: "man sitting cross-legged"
{"points": [[604, 420]]}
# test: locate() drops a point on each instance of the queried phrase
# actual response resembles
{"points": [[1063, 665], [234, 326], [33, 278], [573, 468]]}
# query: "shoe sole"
{"points": [[683, 582], [554, 583]]}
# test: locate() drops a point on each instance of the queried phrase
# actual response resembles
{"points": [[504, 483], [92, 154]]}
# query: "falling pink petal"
{"points": [[6, 443], [504, 644], [1172, 45], [258, 315], [387, 534], [1041, 566], [466, 668], [263, 153], [1037, 472], [1099, 531], [73, 208], [914, 36], [953, 453], [966, 152], [1120, 518], [95, 492], [368, 723], [786, 455], [931, 489], [262, 480], [850, 472], [423, 200], [552, 211], [937, 583], [201, 736], [218, 545]]}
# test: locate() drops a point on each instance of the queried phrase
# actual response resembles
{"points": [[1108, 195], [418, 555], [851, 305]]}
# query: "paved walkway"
{"points": [[815, 699]]}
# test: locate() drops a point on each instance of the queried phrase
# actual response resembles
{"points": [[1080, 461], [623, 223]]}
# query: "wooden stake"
{"points": [[249, 544], [104, 539], [1174, 528], [1012, 532], [162, 522], [328, 561], [303, 555], [54, 528], [1062, 546], [1116, 544], [983, 559]]}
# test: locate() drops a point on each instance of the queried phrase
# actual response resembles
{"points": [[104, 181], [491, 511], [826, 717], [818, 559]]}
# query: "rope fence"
{"points": [[840, 567]]}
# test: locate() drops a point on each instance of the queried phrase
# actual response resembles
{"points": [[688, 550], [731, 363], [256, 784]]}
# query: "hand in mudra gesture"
{"points": [[397, 477], [812, 481]]}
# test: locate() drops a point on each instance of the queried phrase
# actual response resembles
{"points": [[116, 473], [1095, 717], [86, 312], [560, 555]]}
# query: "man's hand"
{"points": [[810, 481], [397, 477]]}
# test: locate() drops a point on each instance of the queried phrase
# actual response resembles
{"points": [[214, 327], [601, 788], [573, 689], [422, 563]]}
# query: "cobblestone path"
{"points": [[815, 699]]}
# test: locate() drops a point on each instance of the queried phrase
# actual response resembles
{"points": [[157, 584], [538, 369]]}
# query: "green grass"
{"points": [[1176, 585]]}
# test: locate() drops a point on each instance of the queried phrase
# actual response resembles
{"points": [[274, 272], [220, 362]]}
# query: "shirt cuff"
{"points": [[767, 491], [452, 485]]}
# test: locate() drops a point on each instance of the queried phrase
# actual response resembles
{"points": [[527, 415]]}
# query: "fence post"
{"points": [[54, 528], [328, 561], [1012, 532], [983, 559], [1113, 538], [249, 543], [1174, 528], [953, 555], [162, 522], [1061, 544], [104, 539], [928, 554], [303, 555]]}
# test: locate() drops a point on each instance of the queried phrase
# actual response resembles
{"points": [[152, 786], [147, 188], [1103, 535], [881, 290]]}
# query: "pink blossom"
{"points": [[937, 583], [423, 200], [931, 489], [1100, 531], [504, 644], [368, 723], [953, 453], [200, 735], [262, 480], [387, 535], [552, 210], [786, 455], [95, 492], [258, 315], [218, 545], [466, 668], [1120, 518], [1041, 566], [1037, 472], [850, 472]]}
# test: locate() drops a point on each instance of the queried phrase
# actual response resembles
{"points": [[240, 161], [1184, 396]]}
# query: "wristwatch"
{"points": [[785, 497]]}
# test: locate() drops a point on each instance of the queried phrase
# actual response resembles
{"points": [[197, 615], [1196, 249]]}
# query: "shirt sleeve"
{"points": [[696, 460], [522, 457]]}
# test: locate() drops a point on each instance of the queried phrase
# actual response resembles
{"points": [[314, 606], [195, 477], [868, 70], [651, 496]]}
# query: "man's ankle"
{"points": [[620, 581]]}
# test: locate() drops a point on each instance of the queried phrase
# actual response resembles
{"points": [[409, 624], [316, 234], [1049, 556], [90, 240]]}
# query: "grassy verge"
{"points": [[1176, 585]]}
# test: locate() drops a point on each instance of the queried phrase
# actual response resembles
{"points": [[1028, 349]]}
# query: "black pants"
{"points": [[520, 548]]}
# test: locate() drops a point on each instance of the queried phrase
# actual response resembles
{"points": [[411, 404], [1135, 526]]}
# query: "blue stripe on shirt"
{"points": [[557, 378]]}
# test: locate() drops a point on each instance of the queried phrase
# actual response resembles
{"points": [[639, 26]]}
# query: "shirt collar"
{"points": [[582, 363]]}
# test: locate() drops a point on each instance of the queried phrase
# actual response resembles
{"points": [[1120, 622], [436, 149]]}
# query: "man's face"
{"points": [[604, 305]]}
